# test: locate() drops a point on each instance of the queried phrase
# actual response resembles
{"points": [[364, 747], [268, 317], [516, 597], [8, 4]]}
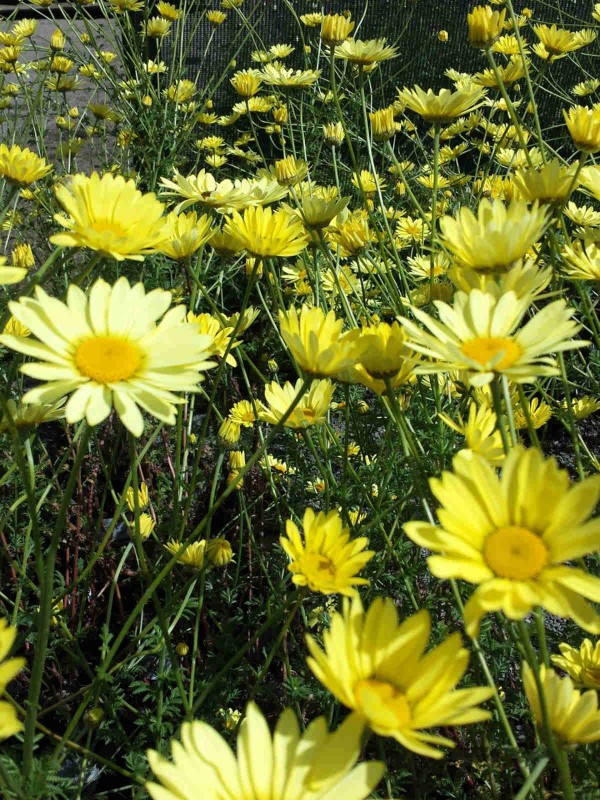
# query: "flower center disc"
{"points": [[385, 707], [107, 359], [319, 571], [515, 553], [504, 352]]}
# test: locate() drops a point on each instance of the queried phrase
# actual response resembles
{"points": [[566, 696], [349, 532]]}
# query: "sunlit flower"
{"points": [[335, 28], [8, 274], [573, 716], [145, 525], [277, 74], [209, 325], [20, 167], [480, 334], [311, 409], [216, 17], [497, 237], [365, 53], [247, 82], [582, 261], [192, 556], [377, 666], [333, 133], [286, 765], [265, 233], [142, 497], [219, 552], [584, 127], [316, 341], [383, 124], [582, 665], [480, 431], [538, 412], [584, 406], [551, 184], [184, 234], [325, 559], [106, 350], [109, 214], [515, 550], [485, 26], [443, 107], [157, 27]]}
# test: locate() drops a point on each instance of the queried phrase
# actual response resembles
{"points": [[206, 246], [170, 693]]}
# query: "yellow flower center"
{"points": [[386, 708], [318, 568], [104, 231], [515, 553], [486, 348], [108, 359]]}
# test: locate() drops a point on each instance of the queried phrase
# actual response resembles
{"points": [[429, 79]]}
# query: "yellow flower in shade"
{"points": [[286, 765], [146, 526], [20, 167], [384, 351], [584, 127], [210, 326], [264, 233], [333, 133], [10, 275], [316, 341], [110, 215], [584, 406], [317, 211], [335, 29], [366, 53], [143, 497], [368, 183], [229, 432], [219, 552], [168, 11], [22, 256], [327, 561], [216, 17], [107, 350], [550, 184], [350, 232], [383, 125], [573, 716], [590, 178], [478, 334], [480, 431], [511, 535], [485, 26], [243, 413], [30, 416], [539, 414], [377, 666], [204, 190], [311, 410], [247, 82], [582, 665], [14, 327], [497, 237], [185, 234], [582, 261], [9, 669], [157, 27], [193, 556], [443, 107]]}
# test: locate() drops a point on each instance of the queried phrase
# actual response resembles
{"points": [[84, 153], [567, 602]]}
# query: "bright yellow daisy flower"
{"points": [[478, 334], [110, 215], [311, 410], [327, 561], [20, 167], [574, 716], [511, 535], [582, 665], [265, 233], [443, 107], [378, 667], [107, 350], [285, 765]]}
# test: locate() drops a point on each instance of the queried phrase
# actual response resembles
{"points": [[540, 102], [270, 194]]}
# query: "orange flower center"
{"points": [[386, 708], [515, 553], [502, 352], [108, 359]]}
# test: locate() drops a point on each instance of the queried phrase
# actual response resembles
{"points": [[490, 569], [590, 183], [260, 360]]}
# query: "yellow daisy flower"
{"points": [[9, 669], [478, 334], [582, 261], [29, 416], [584, 127], [311, 410], [497, 237], [582, 665], [574, 716], [265, 233], [316, 341], [443, 107], [110, 215], [327, 561], [193, 556], [106, 350], [485, 26], [511, 535], [20, 167], [377, 667], [550, 184], [335, 28], [480, 431], [287, 765], [143, 498], [365, 53], [185, 234]]}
